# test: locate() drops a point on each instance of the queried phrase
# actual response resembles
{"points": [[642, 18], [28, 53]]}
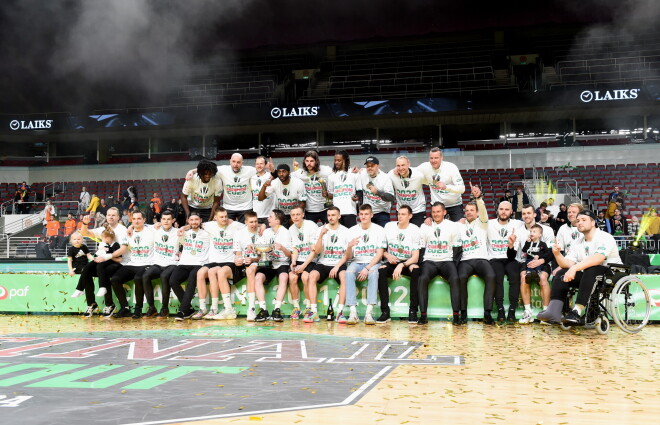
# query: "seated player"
{"points": [[303, 238], [246, 258]]}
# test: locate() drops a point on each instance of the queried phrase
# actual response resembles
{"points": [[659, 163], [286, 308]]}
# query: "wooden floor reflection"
{"points": [[512, 374]]}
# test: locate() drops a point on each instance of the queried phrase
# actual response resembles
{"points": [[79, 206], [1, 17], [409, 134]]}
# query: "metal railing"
{"points": [[24, 247], [52, 188], [624, 242], [570, 187]]}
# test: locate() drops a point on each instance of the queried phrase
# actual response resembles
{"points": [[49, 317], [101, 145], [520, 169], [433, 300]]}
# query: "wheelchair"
{"points": [[617, 295]]}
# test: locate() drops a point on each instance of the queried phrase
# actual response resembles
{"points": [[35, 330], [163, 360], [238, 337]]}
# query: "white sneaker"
{"points": [[211, 314], [228, 314], [199, 315], [352, 319], [369, 319], [251, 314], [526, 318], [101, 292], [76, 293]]}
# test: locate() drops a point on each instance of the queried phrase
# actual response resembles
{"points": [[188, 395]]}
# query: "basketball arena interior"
{"points": [[544, 115]]}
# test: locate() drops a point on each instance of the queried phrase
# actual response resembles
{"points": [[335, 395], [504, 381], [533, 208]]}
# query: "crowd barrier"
{"points": [[51, 293]]}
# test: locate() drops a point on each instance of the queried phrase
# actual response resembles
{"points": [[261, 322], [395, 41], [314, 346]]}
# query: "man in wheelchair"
{"points": [[585, 263]]}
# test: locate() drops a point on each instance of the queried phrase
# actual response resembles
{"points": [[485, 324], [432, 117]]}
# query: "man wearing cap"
{"points": [[581, 267], [378, 190], [288, 193], [445, 183]]}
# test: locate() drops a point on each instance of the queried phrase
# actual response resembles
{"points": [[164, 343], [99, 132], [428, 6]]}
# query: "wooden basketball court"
{"points": [[482, 374]]}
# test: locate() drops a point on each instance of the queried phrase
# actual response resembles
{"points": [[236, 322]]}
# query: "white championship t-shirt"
{"points": [[283, 237], [238, 193], [402, 242], [314, 186], [141, 247], [370, 240], [448, 174], [439, 240], [383, 184], [200, 195], [343, 186], [334, 247], [303, 238], [195, 248], [601, 243], [166, 247], [567, 235], [262, 208], [498, 236], [288, 196], [409, 191], [222, 241]]}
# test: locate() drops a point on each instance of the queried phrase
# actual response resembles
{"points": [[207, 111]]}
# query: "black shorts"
{"points": [[236, 271], [542, 268], [272, 273], [309, 267], [324, 271]]}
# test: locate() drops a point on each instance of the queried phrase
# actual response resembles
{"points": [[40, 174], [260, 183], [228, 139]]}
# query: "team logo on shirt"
{"points": [[575, 235], [137, 240], [342, 178], [469, 232], [401, 237], [333, 239], [405, 183], [436, 178], [237, 179], [204, 190], [503, 232], [313, 177], [586, 250], [365, 237], [285, 192], [222, 234], [437, 232], [301, 236], [258, 182], [193, 235], [164, 238]]}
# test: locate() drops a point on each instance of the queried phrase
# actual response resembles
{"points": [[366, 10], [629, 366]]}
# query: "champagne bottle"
{"points": [[331, 312]]}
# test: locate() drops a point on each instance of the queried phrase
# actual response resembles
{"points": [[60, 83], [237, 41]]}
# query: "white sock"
{"points": [[307, 303], [76, 293], [202, 304], [214, 304], [262, 305], [369, 309], [226, 300], [340, 308], [314, 308], [528, 307], [278, 304], [296, 303], [101, 292], [545, 307], [353, 310], [578, 308], [251, 298]]}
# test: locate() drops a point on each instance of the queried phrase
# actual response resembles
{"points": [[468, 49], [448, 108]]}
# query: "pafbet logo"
{"points": [[13, 292]]}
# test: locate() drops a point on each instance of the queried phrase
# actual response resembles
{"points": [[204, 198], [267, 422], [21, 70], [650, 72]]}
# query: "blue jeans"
{"points": [[372, 288]]}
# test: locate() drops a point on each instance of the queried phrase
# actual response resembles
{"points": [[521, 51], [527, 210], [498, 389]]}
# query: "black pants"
{"points": [[585, 280], [418, 218], [101, 270], [204, 214], [236, 215], [321, 216], [381, 218], [150, 274], [385, 273], [182, 274], [455, 213], [126, 274], [348, 220], [510, 268], [483, 269], [446, 270]]}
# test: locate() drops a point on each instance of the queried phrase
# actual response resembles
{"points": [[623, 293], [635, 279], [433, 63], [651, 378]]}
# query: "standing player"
{"points": [[201, 191], [365, 251], [407, 183], [474, 259], [315, 177], [262, 208], [194, 255], [331, 243], [499, 230], [237, 190], [344, 189], [445, 183], [378, 190], [280, 239], [288, 193], [303, 238], [401, 257], [441, 241], [220, 265], [166, 253], [140, 257]]}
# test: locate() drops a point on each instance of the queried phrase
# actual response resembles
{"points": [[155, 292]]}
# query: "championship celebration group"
{"points": [[317, 222]]}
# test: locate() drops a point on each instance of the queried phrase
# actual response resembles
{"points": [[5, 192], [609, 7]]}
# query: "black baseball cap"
{"points": [[284, 167], [371, 159], [589, 214]]}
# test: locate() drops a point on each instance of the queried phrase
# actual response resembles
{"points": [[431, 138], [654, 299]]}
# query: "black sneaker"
{"points": [[456, 319], [122, 313], [151, 312], [423, 319], [262, 316], [107, 311], [412, 316], [137, 313], [164, 313], [511, 317], [277, 315], [488, 319], [501, 317], [91, 309], [180, 315], [464, 318], [384, 317], [572, 318]]}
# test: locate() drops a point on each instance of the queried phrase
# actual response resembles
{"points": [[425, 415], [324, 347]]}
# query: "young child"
{"points": [[107, 246], [77, 257], [535, 249]]}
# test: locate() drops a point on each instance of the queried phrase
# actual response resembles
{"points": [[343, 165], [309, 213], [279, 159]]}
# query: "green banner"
{"points": [[51, 293]]}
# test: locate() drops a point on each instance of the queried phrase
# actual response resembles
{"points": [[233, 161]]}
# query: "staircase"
{"points": [[320, 87], [503, 79], [550, 76]]}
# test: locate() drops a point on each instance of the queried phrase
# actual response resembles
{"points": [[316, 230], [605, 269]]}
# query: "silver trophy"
{"points": [[263, 249]]}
